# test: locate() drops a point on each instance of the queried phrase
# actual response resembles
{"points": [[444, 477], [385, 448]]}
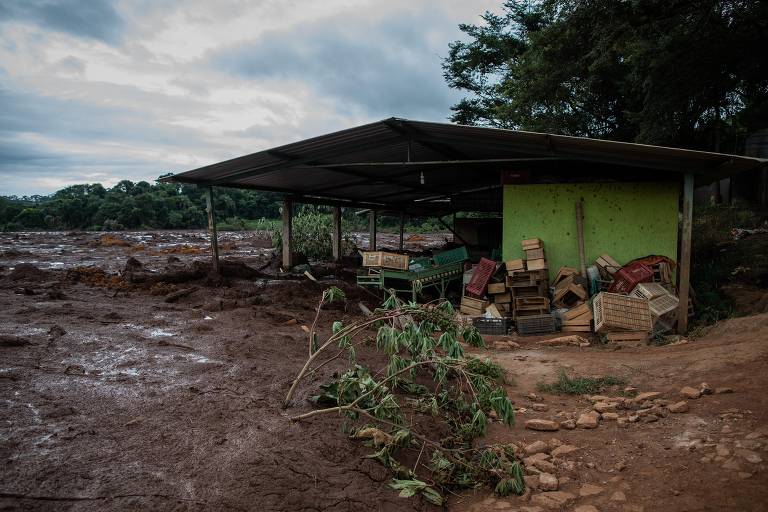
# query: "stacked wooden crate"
{"points": [[527, 281], [569, 291], [578, 319], [501, 298], [472, 306]]}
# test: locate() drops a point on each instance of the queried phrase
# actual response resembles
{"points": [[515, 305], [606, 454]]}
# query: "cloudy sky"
{"points": [[99, 90]]}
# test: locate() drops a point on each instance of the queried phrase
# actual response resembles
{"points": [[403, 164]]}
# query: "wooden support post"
{"points": [[287, 234], [372, 230], [336, 233], [452, 230], [212, 230], [684, 265], [402, 229]]}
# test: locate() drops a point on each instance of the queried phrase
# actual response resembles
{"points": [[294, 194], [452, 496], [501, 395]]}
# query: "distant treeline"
{"points": [[130, 205]]}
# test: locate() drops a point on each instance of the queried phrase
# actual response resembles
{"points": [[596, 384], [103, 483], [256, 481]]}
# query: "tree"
{"points": [[684, 73]]}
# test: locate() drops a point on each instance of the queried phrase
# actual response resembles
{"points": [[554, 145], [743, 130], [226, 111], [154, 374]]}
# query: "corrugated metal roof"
{"points": [[405, 165]]}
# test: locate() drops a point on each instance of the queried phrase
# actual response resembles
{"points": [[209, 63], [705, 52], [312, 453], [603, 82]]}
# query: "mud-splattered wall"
{"points": [[625, 220]]}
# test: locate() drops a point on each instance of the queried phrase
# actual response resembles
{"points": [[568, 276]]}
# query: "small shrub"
{"points": [[565, 385]]}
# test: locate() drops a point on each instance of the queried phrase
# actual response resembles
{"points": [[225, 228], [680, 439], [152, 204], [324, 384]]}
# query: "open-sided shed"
{"points": [[637, 199]]}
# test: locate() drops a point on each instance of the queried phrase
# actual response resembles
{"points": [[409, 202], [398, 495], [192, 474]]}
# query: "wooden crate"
{"points": [[537, 264], [580, 310], [563, 273], [472, 306], [385, 260], [531, 243], [534, 254], [494, 288], [502, 298], [514, 265], [607, 264], [627, 336], [569, 296], [614, 312], [523, 303]]}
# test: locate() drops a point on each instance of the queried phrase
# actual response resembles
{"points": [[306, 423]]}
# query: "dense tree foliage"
{"points": [[130, 205], [687, 73]]}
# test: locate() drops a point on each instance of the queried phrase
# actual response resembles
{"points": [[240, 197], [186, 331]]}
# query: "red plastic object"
{"points": [[482, 274], [629, 276]]}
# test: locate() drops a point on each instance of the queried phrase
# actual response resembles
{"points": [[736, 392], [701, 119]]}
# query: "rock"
{"points": [[548, 482], [587, 420], [554, 443], [722, 451], [564, 450], [691, 393], [732, 464], [679, 407], [531, 481], [530, 461], [620, 466], [534, 397], [722, 391], [648, 395], [132, 265], [56, 332], [610, 416], [633, 418], [501, 345], [598, 398], [726, 429], [544, 466], [540, 407], [630, 390], [604, 407], [568, 424], [750, 456], [590, 490], [705, 389], [618, 496], [586, 508], [744, 475], [542, 425], [536, 447], [553, 499]]}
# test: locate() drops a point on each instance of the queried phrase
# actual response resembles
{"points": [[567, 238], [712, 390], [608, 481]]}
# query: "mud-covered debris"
{"points": [[132, 265], [173, 297], [28, 272], [56, 294], [9, 340], [74, 369], [24, 290], [56, 332]]}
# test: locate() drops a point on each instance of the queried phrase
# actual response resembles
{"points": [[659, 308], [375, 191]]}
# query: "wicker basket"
{"points": [[614, 312]]}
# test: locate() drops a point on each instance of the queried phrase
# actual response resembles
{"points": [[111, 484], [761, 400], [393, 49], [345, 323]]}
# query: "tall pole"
{"points": [[287, 234], [212, 229], [336, 233], [372, 230], [580, 235], [684, 267]]}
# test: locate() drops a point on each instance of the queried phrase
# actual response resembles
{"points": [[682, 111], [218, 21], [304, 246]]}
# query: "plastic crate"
{"points": [[620, 312], [649, 291], [492, 326], [663, 304], [628, 277], [483, 272], [535, 324]]}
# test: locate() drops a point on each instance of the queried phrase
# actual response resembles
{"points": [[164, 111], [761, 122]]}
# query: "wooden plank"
{"points": [[577, 311], [502, 298], [336, 234], [537, 264], [576, 328], [287, 234], [684, 271], [493, 311], [494, 288], [212, 230]]}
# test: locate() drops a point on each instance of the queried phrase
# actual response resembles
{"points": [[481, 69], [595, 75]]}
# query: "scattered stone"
{"points": [[650, 418], [531, 481], [604, 407], [534, 397], [610, 416], [691, 393], [750, 456], [586, 508], [630, 390], [540, 407], [598, 398], [501, 345], [536, 447], [564, 450], [754, 435], [648, 395], [744, 475], [56, 332], [679, 407], [705, 389], [544, 466], [542, 425], [722, 451], [732, 464], [548, 482], [588, 420], [722, 391], [554, 443], [633, 418], [553, 499], [620, 466], [530, 461], [568, 424], [590, 490], [726, 429]]}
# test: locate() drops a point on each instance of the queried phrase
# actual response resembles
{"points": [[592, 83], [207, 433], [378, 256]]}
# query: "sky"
{"points": [[100, 91]]}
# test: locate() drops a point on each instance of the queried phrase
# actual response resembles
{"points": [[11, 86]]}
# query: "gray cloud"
{"points": [[382, 69], [95, 19]]}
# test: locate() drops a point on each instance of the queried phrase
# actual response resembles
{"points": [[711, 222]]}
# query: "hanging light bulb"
{"points": [[421, 178]]}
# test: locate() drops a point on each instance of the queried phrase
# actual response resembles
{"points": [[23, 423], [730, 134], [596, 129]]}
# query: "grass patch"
{"points": [[565, 385]]}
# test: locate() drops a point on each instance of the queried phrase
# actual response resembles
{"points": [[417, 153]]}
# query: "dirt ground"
{"points": [[113, 399]]}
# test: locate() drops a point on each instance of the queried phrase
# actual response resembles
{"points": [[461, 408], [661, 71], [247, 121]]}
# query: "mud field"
{"points": [[112, 398]]}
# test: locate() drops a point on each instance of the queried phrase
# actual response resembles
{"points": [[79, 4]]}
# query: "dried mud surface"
{"points": [[112, 399]]}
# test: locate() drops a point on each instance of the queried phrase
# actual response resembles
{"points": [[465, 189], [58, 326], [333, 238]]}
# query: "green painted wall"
{"points": [[625, 220]]}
